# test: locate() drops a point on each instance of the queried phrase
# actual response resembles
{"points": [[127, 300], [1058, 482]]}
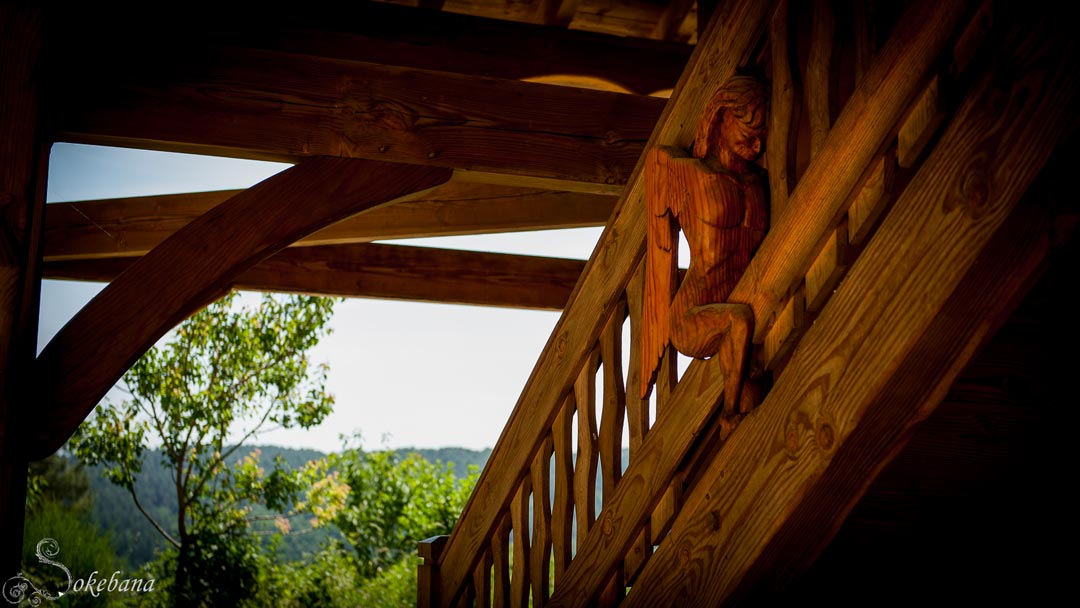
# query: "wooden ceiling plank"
{"points": [[191, 269], [279, 106], [398, 272], [939, 273], [132, 226]]}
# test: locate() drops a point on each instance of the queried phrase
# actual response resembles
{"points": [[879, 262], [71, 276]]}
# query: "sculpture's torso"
{"points": [[724, 218]]}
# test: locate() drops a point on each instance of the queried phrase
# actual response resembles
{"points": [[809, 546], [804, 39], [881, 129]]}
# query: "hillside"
{"points": [[136, 540]]}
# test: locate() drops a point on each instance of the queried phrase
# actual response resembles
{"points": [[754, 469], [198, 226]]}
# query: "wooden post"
{"points": [[427, 573], [21, 208]]}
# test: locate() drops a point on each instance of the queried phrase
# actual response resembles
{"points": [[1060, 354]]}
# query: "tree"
{"points": [[393, 501], [222, 378]]}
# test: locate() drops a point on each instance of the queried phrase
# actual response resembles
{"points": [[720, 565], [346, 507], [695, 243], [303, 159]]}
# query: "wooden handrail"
{"points": [[560, 388]]}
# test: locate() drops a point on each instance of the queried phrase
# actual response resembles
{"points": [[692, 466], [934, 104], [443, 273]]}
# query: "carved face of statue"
{"points": [[743, 133]]}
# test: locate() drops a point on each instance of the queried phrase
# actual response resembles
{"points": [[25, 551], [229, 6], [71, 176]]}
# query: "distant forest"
{"points": [[135, 539]]}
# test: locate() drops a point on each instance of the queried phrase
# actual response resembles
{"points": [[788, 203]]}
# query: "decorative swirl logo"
{"points": [[20, 588]]}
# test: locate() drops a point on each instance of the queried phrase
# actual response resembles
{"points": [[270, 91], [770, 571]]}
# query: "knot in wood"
{"points": [[560, 346], [392, 116], [974, 193], [826, 436], [608, 526]]}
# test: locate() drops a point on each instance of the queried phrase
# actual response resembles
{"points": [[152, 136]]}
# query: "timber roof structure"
{"points": [[907, 297]]}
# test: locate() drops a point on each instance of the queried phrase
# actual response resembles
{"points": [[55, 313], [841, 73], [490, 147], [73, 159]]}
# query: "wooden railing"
{"points": [[529, 532]]}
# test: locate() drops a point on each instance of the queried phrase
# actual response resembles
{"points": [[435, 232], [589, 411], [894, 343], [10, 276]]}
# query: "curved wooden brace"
{"points": [[188, 271]]}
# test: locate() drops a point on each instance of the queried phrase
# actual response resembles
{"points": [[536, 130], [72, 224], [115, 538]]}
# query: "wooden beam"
{"points": [[946, 263], [558, 12], [23, 167], [736, 29], [667, 27], [395, 272], [191, 269], [132, 226], [380, 33], [277, 106]]}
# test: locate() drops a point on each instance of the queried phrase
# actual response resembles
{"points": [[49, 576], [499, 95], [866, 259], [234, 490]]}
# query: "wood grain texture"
{"points": [[540, 560], [818, 73], [867, 120], [481, 582], [562, 509], [555, 12], [668, 25], [398, 272], [98, 345], [500, 555], [270, 105], [618, 18], [918, 301], [637, 413], [23, 172], [921, 123], [827, 270], [377, 32], [872, 114], [585, 465], [613, 410], [738, 26], [785, 332], [520, 564], [644, 482], [427, 573], [872, 199], [133, 226], [781, 111]]}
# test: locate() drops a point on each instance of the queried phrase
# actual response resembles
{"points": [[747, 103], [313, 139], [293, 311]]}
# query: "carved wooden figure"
{"points": [[717, 197]]}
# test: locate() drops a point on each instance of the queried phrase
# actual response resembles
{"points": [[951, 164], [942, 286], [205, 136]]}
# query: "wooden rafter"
{"points": [[278, 106], [377, 32], [191, 269], [387, 271], [133, 226]]}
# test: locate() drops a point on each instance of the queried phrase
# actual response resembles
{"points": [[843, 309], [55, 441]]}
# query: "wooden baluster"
{"points": [[500, 555], [780, 113], [614, 406], [666, 380], [541, 538], [817, 75], [585, 470], [519, 517], [637, 410], [864, 37], [562, 511], [611, 426], [482, 581]]}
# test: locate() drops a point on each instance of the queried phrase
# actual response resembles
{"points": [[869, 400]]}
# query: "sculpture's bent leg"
{"points": [[718, 330]]}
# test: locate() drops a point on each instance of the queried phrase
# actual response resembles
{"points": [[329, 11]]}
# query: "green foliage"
{"points": [[394, 587], [394, 501], [60, 512], [227, 372]]}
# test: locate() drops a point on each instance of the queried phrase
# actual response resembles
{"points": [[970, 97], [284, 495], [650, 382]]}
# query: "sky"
{"points": [[404, 374]]}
